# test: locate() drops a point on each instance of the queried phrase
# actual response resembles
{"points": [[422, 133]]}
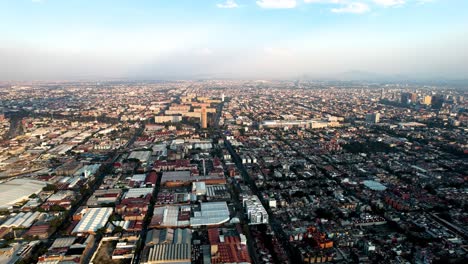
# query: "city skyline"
{"points": [[233, 171], [267, 39]]}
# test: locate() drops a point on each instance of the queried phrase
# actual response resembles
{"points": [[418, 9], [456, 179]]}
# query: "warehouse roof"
{"points": [[211, 213], [173, 253], [137, 192], [373, 185], [175, 176], [63, 242], [93, 219], [169, 236], [18, 190], [141, 155]]}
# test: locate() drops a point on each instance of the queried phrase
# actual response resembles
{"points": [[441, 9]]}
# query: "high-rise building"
{"points": [[405, 97], [222, 98], [204, 118], [408, 98], [373, 118], [427, 100], [437, 101]]}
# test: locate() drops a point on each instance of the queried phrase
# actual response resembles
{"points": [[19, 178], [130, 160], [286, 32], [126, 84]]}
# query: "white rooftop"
{"points": [[211, 213], [137, 192], [373, 185], [93, 219], [18, 190]]}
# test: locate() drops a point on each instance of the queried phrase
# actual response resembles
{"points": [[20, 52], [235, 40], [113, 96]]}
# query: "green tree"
{"points": [[50, 187]]}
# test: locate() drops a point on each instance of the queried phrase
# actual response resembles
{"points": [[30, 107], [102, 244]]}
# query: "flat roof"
{"points": [[211, 213], [141, 155], [175, 176], [411, 124], [18, 190], [373, 185], [139, 177], [137, 192], [63, 242]]}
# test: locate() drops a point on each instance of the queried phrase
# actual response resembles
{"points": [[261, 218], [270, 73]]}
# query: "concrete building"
{"points": [[204, 118], [165, 119], [143, 156], [68, 250], [175, 178], [107, 196], [138, 192], [199, 188], [373, 118], [255, 211], [408, 98], [427, 100], [296, 123]]}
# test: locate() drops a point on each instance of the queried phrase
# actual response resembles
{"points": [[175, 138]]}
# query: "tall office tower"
{"points": [[222, 98], [408, 98], [382, 94], [373, 118], [437, 101], [204, 118], [427, 100], [405, 97]]}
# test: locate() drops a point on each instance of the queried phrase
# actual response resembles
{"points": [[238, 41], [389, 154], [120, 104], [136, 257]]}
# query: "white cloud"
{"points": [[325, 1], [37, 1], [228, 4], [422, 2], [390, 3], [278, 51], [205, 51], [343, 6], [362, 6], [277, 4], [354, 8]]}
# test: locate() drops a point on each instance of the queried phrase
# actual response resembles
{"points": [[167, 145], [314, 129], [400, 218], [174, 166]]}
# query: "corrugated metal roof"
{"points": [[212, 213], [94, 219], [170, 252]]}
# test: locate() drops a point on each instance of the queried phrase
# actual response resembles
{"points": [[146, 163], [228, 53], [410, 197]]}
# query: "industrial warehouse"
{"points": [[17, 190]]}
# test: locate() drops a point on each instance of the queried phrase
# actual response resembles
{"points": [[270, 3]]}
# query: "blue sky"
{"points": [[159, 39]]}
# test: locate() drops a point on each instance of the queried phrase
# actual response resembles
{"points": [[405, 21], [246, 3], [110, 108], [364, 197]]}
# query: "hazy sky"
{"points": [[162, 39]]}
